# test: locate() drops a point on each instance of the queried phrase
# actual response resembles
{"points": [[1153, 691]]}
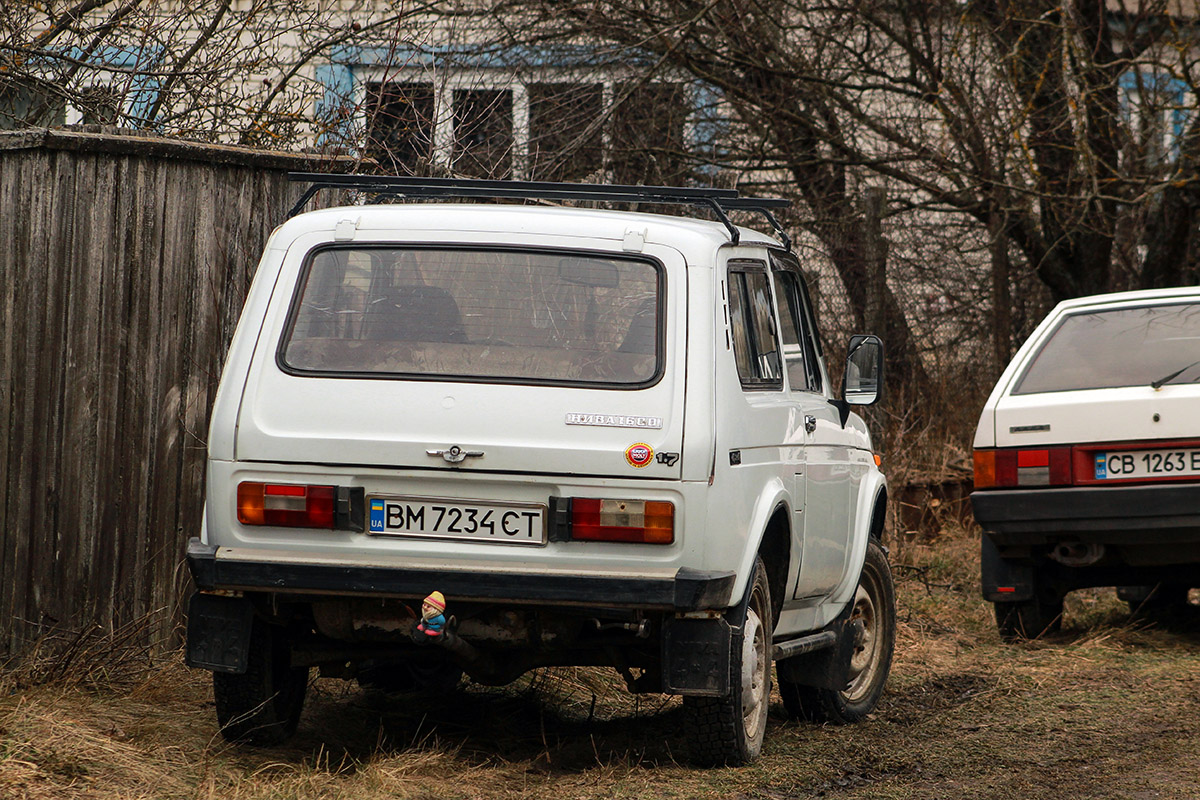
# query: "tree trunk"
{"points": [[1001, 291]]}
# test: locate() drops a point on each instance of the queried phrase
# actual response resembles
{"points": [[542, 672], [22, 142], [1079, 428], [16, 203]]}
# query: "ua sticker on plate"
{"points": [[639, 455], [377, 515]]}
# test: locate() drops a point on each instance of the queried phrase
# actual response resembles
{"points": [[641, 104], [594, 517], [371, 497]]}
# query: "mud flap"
{"points": [[696, 657], [1003, 580], [828, 668], [218, 633]]}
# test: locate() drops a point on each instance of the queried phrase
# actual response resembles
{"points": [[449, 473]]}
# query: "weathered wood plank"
{"points": [[83, 390], [10, 325], [59, 485], [107, 242]]}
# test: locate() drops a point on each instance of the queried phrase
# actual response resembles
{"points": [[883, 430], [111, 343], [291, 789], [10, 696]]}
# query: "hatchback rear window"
{"points": [[476, 314], [1121, 347]]}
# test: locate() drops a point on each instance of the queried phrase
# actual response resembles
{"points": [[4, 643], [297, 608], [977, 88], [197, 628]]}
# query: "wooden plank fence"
{"points": [[124, 262]]}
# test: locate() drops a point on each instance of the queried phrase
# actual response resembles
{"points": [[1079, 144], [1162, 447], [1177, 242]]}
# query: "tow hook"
{"points": [[640, 629], [465, 654]]}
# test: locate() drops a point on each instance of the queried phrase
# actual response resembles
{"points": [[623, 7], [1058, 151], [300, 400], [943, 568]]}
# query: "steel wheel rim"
{"points": [[754, 671], [864, 662]]}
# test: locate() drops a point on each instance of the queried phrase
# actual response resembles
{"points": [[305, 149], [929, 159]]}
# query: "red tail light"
{"points": [[642, 521], [285, 505], [1013, 467]]}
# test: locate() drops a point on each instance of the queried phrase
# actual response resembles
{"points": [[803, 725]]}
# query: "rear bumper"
{"points": [[683, 590], [1116, 515]]}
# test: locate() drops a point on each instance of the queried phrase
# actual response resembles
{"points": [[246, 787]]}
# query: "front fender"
{"points": [[872, 495]]}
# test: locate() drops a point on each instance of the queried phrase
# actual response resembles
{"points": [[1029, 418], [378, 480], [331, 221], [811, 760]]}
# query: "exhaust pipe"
{"points": [[1077, 554]]}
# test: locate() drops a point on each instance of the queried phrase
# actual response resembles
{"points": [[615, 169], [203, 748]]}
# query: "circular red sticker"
{"points": [[639, 455]]}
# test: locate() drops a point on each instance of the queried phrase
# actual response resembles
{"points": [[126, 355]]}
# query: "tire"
{"points": [[800, 702], [262, 707], [1163, 598], [1029, 619], [871, 662], [729, 730]]}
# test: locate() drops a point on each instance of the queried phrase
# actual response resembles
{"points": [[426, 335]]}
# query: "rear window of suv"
{"points": [[1119, 347], [476, 314]]}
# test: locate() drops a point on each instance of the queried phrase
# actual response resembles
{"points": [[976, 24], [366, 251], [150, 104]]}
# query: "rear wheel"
{"points": [[729, 730], [262, 707], [1029, 619], [873, 621], [1163, 598]]}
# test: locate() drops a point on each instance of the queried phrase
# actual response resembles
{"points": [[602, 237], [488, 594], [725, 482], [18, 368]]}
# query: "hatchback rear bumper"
{"points": [[1115, 515], [684, 589]]}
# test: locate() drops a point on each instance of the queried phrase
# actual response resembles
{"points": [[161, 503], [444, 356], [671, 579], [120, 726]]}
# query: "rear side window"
{"points": [[491, 315], [1121, 347], [752, 321]]}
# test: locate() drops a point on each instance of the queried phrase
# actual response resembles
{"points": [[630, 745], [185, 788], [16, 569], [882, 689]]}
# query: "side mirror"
{"points": [[862, 382]]}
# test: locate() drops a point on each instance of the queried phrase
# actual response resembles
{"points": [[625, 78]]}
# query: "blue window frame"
{"points": [[1154, 106]]}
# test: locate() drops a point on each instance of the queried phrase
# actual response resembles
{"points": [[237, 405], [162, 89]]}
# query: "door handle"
{"points": [[810, 423]]}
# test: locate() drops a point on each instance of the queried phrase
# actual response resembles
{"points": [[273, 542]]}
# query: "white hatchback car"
{"points": [[582, 437], [1087, 458]]}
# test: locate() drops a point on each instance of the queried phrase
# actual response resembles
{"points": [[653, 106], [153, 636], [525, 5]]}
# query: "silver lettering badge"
{"points": [[614, 420]]}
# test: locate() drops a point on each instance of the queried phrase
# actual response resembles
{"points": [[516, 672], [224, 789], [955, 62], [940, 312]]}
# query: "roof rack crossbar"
{"points": [[719, 201], [503, 186]]}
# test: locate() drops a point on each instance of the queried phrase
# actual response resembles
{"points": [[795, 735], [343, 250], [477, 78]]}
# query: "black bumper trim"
{"points": [[1137, 514], [688, 590]]}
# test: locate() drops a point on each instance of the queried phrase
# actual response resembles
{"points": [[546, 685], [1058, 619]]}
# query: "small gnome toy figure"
{"points": [[433, 618]]}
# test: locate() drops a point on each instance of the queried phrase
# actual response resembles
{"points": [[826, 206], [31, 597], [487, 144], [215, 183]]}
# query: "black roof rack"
{"points": [[719, 201]]}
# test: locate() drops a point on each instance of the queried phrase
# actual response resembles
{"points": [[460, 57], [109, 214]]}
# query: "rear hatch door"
{"points": [[1108, 374], [559, 360]]}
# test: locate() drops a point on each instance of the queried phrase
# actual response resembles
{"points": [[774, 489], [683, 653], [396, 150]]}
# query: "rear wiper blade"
{"points": [[1158, 384]]}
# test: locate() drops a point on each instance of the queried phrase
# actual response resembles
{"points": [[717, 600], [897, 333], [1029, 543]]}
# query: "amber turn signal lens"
{"points": [[985, 469]]}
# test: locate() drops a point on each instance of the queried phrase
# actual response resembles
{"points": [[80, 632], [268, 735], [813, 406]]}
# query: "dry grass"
{"points": [[1107, 709]]}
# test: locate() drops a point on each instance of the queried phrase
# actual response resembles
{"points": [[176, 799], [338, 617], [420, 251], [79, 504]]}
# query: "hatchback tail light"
{"points": [[643, 521], [286, 505], [1019, 467]]}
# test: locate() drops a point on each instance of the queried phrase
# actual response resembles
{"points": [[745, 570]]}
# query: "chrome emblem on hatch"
{"points": [[455, 454]]}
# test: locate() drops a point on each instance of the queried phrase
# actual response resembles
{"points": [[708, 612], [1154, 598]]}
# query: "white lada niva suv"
{"points": [[484, 438]]}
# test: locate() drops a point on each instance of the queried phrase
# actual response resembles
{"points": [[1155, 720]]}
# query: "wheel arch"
{"points": [[870, 519], [879, 514], [775, 548], [768, 532]]}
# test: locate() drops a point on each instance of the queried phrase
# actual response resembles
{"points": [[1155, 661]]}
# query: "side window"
{"points": [[755, 345], [792, 291], [799, 351]]}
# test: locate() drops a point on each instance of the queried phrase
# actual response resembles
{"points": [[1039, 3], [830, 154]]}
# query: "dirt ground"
{"points": [[1110, 708]]}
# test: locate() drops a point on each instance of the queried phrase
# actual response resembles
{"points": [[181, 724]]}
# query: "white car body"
{"points": [[1123, 429], [735, 464], [1097, 415]]}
